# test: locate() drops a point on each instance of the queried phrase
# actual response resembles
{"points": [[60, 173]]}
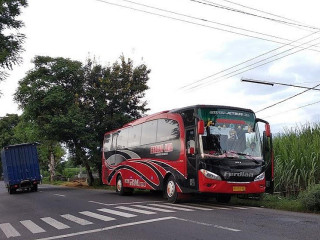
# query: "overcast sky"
{"points": [[181, 50]]}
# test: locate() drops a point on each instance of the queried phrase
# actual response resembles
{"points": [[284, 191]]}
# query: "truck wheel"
{"points": [[35, 187], [11, 190], [171, 191]]}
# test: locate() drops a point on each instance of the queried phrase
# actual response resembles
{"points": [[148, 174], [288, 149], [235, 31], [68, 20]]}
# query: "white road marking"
{"points": [[242, 208], [154, 208], [75, 219], [108, 228], [59, 195], [32, 227], [212, 206], [126, 203], [210, 225], [97, 216], [172, 207], [9, 230], [54, 223], [118, 213], [191, 206], [136, 210]]}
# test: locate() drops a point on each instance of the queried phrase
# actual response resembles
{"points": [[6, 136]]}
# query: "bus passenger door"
{"points": [[191, 159], [269, 159]]}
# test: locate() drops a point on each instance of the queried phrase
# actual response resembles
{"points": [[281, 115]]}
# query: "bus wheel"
{"points": [[223, 198], [122, 190], [171, 191], [119, 186]]}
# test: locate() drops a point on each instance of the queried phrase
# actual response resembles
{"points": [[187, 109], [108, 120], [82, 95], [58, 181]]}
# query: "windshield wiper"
{"points": [[249, 157]]}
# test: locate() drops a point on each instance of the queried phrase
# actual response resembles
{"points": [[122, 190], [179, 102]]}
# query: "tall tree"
{"points": [[10, 39], [27, 132], [7, 125], [48, 96], [113, 97], [77, 103]]}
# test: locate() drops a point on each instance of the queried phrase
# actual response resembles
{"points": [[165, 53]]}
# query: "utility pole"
{"points": [[276, 83]]}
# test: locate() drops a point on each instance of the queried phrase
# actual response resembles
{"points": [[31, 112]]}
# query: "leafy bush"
{"points": [[311, 198], [70, 172], [297, 158]]}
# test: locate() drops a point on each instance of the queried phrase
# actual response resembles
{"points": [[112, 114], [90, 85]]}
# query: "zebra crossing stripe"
{"points": [[75, 219], [9, 230], [154, 208], [214, 206], [97, 216], [172, 207], [54, 223], [32, 227], [191, 206], [118, 213], [136, 210]]}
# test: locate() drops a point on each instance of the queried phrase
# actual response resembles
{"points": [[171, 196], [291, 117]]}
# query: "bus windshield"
{"points": [[230, 133]]}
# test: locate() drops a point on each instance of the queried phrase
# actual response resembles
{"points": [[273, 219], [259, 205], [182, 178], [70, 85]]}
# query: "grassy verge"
{"points": [[78, 184], [273, 202]]}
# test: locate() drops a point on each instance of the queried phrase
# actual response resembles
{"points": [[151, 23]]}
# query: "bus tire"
{"points": [[119, 186], [171, 191], [223, 198], [122, 190]]}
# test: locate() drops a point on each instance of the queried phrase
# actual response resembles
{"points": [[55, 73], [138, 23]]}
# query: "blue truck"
{"points": [[20, 166]]}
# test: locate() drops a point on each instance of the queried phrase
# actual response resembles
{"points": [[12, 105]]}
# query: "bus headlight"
{"points": [[210, 175], [259, 177]]}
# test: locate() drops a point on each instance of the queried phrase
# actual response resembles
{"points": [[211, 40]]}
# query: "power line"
{"points": [[258, 10], [209, 3], [292, 109], [235, 71], [198, 24], [284, 100], [264, 63]]}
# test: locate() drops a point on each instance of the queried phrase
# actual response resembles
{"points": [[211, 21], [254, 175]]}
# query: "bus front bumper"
{"points": [[207, 185]]}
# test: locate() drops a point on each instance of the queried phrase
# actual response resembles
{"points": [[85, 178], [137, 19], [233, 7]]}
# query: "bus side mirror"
{"points": [[268, 131], [200, 127]]}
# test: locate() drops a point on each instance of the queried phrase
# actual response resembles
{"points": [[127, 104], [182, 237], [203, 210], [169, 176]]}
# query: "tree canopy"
{"points": [[10, 39], [77, 103]]}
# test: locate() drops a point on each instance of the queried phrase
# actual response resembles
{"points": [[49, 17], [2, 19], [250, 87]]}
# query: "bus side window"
{"points": [[134, 136], [188, 118], [167, 130], [149, 130], [122, 140]]}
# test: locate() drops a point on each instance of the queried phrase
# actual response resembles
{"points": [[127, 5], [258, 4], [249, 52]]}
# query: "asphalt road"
{"points": [[70, 213]]}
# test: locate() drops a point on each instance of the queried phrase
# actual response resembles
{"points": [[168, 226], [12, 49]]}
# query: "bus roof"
{"points": [[143, 119], [210, 106]]}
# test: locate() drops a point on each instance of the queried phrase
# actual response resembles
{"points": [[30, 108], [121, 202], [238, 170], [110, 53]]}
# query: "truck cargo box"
{"points": [[20, 165]]}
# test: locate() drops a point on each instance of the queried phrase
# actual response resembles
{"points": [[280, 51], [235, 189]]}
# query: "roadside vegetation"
{"points": [[297, 171]]}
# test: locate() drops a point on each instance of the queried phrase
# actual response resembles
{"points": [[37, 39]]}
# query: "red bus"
{"points": [[197, 149]]}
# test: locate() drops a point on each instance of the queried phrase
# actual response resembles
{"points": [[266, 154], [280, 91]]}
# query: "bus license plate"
{"points": [[239, 188]]}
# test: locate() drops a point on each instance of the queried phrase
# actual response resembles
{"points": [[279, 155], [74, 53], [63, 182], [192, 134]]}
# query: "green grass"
{"points": [[297, 159], [273, 202]]}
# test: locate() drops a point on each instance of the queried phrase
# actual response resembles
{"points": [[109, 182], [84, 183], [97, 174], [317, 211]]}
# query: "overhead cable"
{"points": [[307, 105], [284, 100], [199, 24], [209, 3], [200, 82]]}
